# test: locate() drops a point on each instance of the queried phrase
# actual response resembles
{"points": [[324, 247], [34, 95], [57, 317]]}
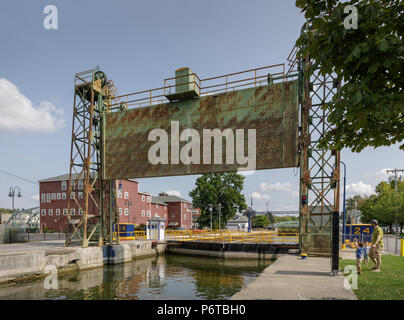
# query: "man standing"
{"points": [[377, 246]]}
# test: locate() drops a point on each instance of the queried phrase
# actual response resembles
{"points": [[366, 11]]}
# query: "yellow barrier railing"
{"points": [[235, 236], [131, 235]]}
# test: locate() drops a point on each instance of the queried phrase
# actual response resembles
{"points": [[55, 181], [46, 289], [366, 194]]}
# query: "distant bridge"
{"points": [[24, 217], [281, 212]]}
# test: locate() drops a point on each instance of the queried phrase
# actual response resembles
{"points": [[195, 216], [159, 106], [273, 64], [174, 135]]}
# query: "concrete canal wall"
{"points": [[227, 250], [31, 262]]}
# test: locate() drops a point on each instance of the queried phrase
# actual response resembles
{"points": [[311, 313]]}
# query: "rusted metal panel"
{"points": [[271, 110]]}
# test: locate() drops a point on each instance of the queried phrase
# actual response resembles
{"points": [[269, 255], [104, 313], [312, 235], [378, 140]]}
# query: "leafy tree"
{"points": [[214, 188], [355, 202], [386, 205], [285, 218], [259, 221], [368, 110]]}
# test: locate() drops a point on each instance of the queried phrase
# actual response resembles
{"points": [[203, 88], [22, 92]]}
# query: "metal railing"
{"points": [[227, 236], [213, 85], [131, 235]]}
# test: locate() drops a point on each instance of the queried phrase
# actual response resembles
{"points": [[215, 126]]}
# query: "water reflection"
{"points": [[163, 277]]}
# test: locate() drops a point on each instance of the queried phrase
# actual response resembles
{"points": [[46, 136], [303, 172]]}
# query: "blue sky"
{"points": [[138, 44]]}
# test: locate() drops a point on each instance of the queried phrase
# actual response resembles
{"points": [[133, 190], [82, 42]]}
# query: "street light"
{"points": [[11, 194], [210, 209], [343, 214]]}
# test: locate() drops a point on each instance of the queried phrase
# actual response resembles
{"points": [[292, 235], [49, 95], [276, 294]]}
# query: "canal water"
{"points": [[164, 277]]}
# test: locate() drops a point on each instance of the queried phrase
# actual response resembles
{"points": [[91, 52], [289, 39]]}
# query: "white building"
{"points": [[238, 223]]}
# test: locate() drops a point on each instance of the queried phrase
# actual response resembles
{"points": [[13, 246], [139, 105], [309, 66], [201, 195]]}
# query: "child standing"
{"points": [[366, 250], [359, 254]]}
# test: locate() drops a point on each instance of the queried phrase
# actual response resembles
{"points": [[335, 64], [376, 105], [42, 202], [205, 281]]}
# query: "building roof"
{"points": [[237, 220], [75, 176], [158, 201], [168, 198]]}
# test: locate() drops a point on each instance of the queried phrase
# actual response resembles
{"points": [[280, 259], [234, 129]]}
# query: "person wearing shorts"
{"points": [[377, 246], [359, 254]]}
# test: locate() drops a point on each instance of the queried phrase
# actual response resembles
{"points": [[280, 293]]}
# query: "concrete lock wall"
{"points": [[227, 250]]}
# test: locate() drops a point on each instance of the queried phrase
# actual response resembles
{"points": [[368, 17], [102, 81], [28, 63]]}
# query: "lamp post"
{"points": [[220, 213], [210, 209], [12, 195], [343, 214], [395, 171]]}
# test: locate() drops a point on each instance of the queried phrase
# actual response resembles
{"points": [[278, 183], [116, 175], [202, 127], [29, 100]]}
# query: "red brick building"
{"points": [[181, 214], [133, 206]]}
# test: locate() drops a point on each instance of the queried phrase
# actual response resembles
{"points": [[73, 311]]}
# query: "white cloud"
{"points": [[259, 196], [18, 113], [279, 186], [359, 188], [174, 193], [382, 174]]}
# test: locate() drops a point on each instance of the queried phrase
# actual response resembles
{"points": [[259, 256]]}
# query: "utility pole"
{"points": [[395, 171], [344, 210]]}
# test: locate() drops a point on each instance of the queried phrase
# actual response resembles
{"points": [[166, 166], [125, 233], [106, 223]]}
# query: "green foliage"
{"points": [[259, 221], [386, 205], [357, 201], [369, 107], [4, 210], [285, 218], [214, 188]]}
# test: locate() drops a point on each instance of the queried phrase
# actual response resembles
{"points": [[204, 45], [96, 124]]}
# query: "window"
{"points": [[63, 195], [142, 197], [120, 211], [156, 214], [43, 197], [58, 212], [53, 196], [185, 205], [48, 197], [148, 213], [72, 195], [50, 212], [80, 212], [126, 211], [165, 215], [65, 212], [148, 199], [73, 211], [126, 195], [119, 193], [80, 184], [185, 216], [59, 196], [43, 212], [157, 206], [80, 195], [143, 213], [64, 185]]}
